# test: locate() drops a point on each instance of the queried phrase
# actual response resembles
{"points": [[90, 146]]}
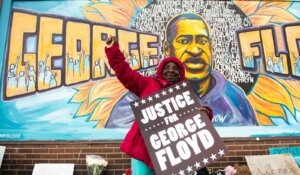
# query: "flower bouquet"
{"points": [[95, 164]]}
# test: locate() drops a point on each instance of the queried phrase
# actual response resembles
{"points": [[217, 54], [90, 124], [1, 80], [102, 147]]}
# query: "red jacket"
{"points": [[142, 86]]}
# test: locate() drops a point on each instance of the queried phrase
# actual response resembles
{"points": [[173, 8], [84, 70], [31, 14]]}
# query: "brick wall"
{"points": [[20, 157]]}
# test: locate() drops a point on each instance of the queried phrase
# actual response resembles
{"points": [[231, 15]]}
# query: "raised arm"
{"points": [[45, 61], [16, 65], [131, 79]]}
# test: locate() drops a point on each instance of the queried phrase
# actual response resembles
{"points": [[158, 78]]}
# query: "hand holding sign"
{"points": [[179, 138]]}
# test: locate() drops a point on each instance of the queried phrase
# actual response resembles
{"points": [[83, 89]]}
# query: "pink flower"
{"points": [[230, 170]]}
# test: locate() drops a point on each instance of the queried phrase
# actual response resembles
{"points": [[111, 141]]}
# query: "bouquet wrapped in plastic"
{"points": [[95, 164]]}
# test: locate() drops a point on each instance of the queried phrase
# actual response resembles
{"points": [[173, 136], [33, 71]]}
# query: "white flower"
{"points": [[96, 160], [103, 162]]}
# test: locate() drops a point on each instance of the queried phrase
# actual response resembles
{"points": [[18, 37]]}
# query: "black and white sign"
{"points": [[179, 138], [53, 168], [2, 151]]}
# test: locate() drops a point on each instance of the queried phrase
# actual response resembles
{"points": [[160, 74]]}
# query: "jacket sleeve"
{"points": [[211, 113], [131, 79]]}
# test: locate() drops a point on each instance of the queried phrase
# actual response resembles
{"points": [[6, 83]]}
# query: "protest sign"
{"points": [[179, 138], [2, 150], [294, 151], [53, 168], [276, 164]]}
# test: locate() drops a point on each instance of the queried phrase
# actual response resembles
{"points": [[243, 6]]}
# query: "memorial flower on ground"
{"points": [[95, 164]]}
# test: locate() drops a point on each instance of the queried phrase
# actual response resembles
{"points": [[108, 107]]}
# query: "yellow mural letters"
{"points": [[261, 43], [46, 52], [48, 77], [77, 52], [292, 33], [99, 60], [130, 47], [149, 55], [18, 81]]}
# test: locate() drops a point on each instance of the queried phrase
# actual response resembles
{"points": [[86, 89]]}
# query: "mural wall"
{"points": [[242, 58]]}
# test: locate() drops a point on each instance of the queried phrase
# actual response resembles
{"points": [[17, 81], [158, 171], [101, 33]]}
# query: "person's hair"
{"points": [[172, 24]]}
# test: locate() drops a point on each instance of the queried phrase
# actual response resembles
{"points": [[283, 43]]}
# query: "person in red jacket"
{"points": [[169, 72]]}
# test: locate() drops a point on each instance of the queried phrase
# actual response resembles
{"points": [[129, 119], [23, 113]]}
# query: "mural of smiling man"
{"points": [[188, 39]]}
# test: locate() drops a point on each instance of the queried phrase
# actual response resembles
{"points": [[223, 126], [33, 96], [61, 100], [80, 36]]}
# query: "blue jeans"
{"points": [[139, 168]]}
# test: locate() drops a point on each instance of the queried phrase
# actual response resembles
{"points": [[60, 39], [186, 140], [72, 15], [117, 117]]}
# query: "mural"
{"points": [[242, 58]]}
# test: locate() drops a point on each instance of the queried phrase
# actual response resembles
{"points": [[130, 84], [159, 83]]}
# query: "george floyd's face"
{"points": [[171, 72], [192, 46]]}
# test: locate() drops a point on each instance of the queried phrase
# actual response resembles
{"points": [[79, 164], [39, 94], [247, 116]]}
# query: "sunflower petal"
{"points": [[85, 86], [248, 7], [280, 4], [106, 89], [103, 111], [296, 102], [282, 19], [263, 107], [102, 108], [120, 17], [80, 96], [292, 86], [84, 109], [140, 3], [93, 16], [259, 20], [264, 12], [264, 120], [87, 7], [279, 15], [271, 90], [101, 123], [125, 5]]}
